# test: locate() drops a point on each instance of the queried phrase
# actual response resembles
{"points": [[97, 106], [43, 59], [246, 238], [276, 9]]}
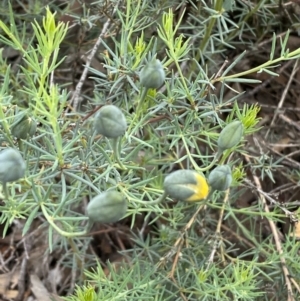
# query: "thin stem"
{"points": [[195, 165], [155, 202], [144, 92], [116, 150], [21, 145], [5, 190], [141, 101], [50, 220], [208, 31], [216, 158], [189, 97], [291, 55]]}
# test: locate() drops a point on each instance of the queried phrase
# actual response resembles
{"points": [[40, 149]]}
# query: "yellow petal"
{"points": [[201, 189]]}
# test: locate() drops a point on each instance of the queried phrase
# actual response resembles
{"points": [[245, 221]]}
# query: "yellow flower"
{"points": [[186, 185]]}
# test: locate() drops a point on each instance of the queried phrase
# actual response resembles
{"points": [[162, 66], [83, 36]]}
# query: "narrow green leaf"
{"points": [[234, 63], [273, 46], [242, 80], [30, 218]]}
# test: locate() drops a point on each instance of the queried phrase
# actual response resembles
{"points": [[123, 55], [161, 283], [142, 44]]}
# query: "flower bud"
{"points": [[107, 207], [12, 165], [152, 75], [231, 135], [24, 127], [186, 185], [220, 178], [110, 122]]}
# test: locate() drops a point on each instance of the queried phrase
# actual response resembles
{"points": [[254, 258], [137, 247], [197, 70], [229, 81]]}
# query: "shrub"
{"points": [[164, 72]]}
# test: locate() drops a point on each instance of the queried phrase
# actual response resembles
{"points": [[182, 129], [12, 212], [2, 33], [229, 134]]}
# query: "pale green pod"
{"points": [[110, 122], [231, 135], [12, 165], [152, 75], [220, 178], [24, 127], [107, 207]]}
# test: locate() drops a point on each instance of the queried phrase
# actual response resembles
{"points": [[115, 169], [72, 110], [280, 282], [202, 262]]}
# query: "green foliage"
{"points": [[84, 293], [174, 127]]}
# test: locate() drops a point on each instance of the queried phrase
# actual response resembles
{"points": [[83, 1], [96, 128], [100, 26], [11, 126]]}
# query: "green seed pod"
{"points": [[220, 178], [24, 127], [152, 75], [186, 185], [231, 135], [12, 165], [107, 207], [110, 122]]}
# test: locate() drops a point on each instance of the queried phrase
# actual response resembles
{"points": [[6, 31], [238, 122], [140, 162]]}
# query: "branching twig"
{"points": [[275, 233], [288, 213], [23, 270], [75, 98], [283, 96], [258, 88], [179, 242], [218, 232]]}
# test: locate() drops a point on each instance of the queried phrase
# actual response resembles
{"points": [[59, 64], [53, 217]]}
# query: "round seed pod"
{"points": [[152, 75], [220, 178], [107, 207], [186, 185], [24, 127], [231, 135], [110, 122], [12, 165]]}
